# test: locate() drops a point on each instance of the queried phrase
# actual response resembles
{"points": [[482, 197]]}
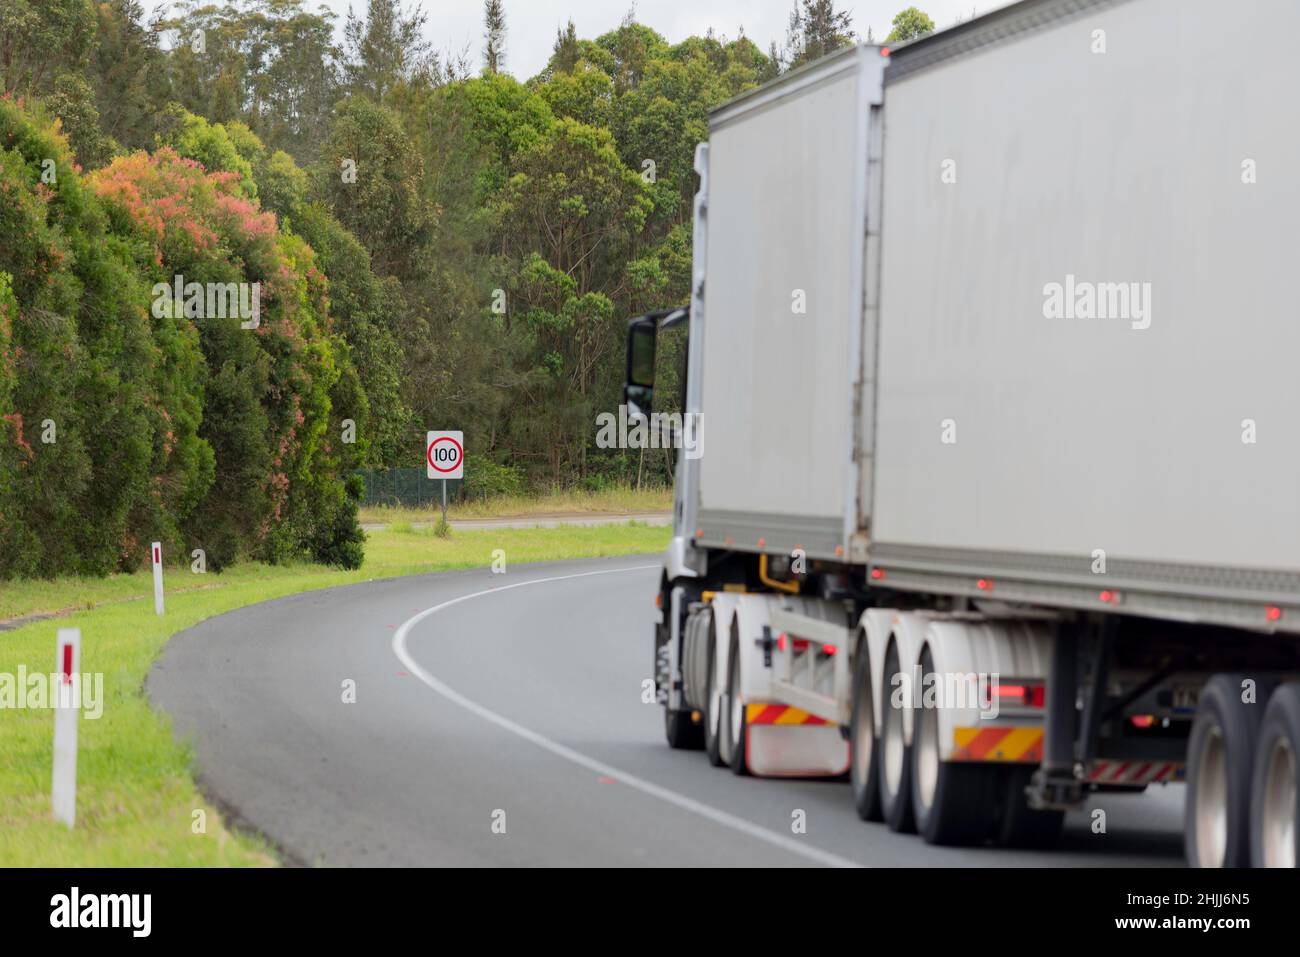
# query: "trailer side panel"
{"points": [[1022, 428]]}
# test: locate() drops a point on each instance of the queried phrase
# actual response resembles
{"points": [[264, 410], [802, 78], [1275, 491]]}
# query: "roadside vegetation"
{"points": [[136, 795], [434, 243], [623, 500]]}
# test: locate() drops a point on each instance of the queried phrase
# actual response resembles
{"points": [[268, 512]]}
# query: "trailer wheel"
{"points": [[895, 756], [864, 753], [681, 731], [1220, 751], [733, 718], [1019, 825], [1275, 783], [953, 801], [713, 708]]}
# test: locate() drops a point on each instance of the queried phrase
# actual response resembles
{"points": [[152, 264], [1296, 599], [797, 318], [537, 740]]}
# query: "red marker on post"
{"points": [[156, 554], [67, 707]]}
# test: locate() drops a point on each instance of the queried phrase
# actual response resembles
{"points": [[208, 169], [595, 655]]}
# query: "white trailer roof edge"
{"points": [[828, 68], [1011, 22]]}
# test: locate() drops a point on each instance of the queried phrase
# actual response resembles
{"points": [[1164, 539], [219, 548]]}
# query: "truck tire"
{"points": [[1019, 825], [864, 750], [1220, 752], [682, 732], [1275, 783], [953, 802], [895, 756], [734, 718], [712, 709]]}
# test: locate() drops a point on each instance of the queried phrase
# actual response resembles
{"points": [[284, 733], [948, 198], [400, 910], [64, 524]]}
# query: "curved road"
{"points": [[486, 700]]}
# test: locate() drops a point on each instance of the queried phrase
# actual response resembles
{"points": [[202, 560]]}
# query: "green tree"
{"points": [[630, 49], [910, 24], [564, 56], [385, 48], [131, 83], [45, 52], [494, 36], [268, 63], [369, 176], [815, 29], [274, 395], [100, 403]]}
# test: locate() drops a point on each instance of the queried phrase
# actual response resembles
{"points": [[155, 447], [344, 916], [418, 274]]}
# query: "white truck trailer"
{"points": [[997, 502]]}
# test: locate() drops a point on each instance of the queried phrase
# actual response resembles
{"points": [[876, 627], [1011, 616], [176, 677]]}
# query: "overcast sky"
{"points": [[531, 24]]}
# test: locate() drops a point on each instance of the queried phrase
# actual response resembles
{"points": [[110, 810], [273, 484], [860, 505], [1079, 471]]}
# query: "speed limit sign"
{"points": [[445, 454]]}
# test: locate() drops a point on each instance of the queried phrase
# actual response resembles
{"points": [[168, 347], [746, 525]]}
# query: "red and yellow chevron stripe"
{"points": [[779, 714], [1136, 772], [1002, 743]]}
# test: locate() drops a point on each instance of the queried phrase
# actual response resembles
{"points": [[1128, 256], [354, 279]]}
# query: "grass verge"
{"points": [[136, 795], [617, 501]]}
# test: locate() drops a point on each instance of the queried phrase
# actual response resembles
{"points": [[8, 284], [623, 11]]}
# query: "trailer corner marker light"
{"points": [[659, 600], [877, 573], [984, 584], [699, 533], [1273, 613], [884, 51], [839, 551], [762, 543], [727, 541], [1107, 596]]}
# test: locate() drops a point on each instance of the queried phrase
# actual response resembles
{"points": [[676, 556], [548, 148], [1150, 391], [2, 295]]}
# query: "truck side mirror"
{"points": [[639, 388]]}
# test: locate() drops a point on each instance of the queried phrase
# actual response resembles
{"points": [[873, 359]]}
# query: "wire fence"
{"points": [[411, 487]]}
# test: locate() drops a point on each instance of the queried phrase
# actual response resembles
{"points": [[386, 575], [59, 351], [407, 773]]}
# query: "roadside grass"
{"points": [[136, 795], [623, 500]]}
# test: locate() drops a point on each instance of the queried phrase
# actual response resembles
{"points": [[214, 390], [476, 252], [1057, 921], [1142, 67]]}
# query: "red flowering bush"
{"points": [[271, 384], [122, 422]]}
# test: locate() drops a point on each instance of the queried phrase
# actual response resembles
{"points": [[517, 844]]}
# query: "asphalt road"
{"points": [[486, 700]]}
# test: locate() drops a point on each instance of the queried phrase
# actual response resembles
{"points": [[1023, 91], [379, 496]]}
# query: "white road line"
{"points": [[591, 764]]}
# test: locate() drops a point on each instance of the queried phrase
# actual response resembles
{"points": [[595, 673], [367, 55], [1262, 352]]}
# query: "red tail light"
{"points": [[796, 644], [1031, 696]]}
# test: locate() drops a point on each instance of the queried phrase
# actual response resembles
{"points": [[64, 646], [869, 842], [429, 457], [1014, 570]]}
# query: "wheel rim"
{"points": [[864, 732], [1279, 810], [715, 700], [737, 707], [891, 739], [1212, 800], [925, 753]]}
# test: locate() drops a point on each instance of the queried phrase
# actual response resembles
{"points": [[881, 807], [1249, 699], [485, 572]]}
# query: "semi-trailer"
{"points": [[996, 500]]}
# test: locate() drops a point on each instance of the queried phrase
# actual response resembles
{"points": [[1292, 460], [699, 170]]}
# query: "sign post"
{"points": [[445, 453], [67, 708], [156, 554]]}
